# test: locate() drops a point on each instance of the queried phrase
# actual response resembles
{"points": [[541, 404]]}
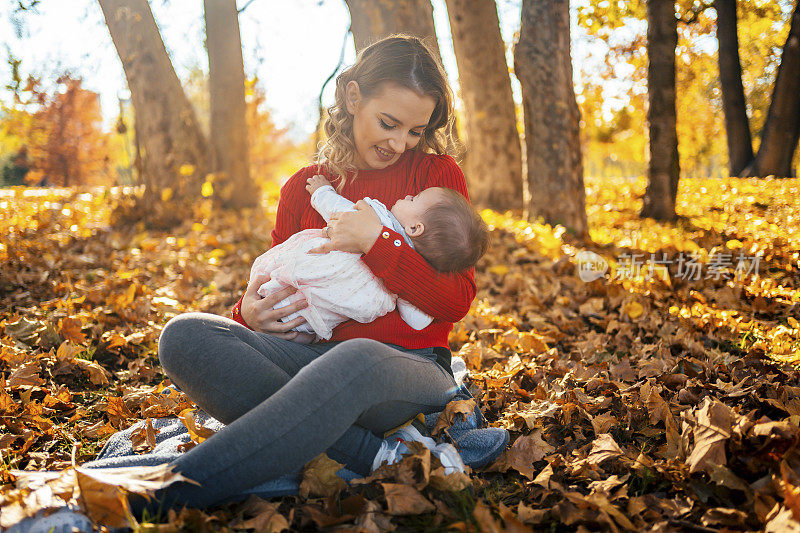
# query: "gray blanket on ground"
{"points": [[118, 451]]}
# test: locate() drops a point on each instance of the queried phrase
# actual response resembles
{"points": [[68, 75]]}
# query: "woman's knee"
{"points": [[366, 355], [179, 338]]}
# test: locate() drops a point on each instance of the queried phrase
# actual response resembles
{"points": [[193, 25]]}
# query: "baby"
{"points": [[438, 222]]}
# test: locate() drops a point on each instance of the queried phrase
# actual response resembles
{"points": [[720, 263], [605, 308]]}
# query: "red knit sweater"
{"points": [[445, 297]]}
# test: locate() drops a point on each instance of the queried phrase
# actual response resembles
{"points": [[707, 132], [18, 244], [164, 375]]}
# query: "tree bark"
{"points": [[493, 159], [171, 140], [372, 20], [737, 127], [782, 128], [543, 65], [230, 153], [664, 169]]}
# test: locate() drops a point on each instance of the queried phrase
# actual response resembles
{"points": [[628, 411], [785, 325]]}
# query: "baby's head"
{"points": [[445, 229]]}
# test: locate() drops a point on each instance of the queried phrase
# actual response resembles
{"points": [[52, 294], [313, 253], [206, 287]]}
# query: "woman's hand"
{"points": [[259, 314], [352, 231]]}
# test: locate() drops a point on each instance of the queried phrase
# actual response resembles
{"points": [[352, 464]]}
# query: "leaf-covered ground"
{"points": [[644, 399]]}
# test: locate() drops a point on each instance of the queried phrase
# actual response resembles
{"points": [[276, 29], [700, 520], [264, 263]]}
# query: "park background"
{"points": [[636, 325]]}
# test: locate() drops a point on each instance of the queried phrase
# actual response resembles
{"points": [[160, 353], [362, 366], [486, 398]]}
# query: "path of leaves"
{"points": [[634, 402]]}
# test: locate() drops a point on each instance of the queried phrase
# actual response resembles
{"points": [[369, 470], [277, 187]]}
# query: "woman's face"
{"points": [[387, 124]]}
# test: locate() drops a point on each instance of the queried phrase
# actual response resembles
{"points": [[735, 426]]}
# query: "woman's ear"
{"points": [[352, 96], [416, 230]]}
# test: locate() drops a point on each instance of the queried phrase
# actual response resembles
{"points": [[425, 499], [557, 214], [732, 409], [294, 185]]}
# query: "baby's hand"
{"points": [[315, 182], [304, 338]]}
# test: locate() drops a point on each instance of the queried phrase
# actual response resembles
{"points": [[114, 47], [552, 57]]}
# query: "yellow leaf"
{"points": [[733, 244], [207, 190], [634, 310], [166, 194], [67, 351], [500, 270], [186, 170]]}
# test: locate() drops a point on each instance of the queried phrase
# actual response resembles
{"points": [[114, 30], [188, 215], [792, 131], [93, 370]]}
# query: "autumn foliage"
{"points": [[59, 134], [638, 400]]}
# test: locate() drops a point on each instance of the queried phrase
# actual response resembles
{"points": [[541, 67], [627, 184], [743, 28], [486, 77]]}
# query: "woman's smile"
{"points": [[384, 154]]}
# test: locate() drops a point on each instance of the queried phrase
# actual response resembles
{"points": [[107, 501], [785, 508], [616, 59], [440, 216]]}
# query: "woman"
{"points": [[286, 402]]}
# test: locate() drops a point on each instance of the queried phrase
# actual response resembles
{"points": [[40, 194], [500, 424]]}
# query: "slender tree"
{"points": [[371, 21], [782, 128], [543, 65], [493, 161], [173, 147], [737, 127], [229, 142], [664, 169]]}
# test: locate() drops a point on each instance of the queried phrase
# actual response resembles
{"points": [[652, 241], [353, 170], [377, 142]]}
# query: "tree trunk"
{"points": [[543, 65], [664, 170], [174, 149], [737, 127], [493, 160], [782, 128], [371, 21], [230, 154]]}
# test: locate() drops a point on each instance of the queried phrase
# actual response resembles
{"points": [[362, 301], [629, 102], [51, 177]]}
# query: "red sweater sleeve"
{"points": [[405, 272], [287, 223]]}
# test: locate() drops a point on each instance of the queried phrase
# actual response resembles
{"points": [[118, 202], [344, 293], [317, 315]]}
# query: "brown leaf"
{"points": [[70, 329], [529, 515], [117, 411], [604, 447], [104, 504], [602, 423], [97, 374], [711, 429], [486, 522], [453, 482], [463, 408], [67, 351], [266, 518], [525, 451], [7, 403], [405, 500], [511, 522], [25, 375], [319, 477]]}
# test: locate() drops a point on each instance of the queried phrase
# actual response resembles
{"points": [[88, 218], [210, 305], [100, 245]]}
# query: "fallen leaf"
{"points": [[405, 500], [525, 451], [454, 409], [70, 329], [604, 447], [319, 477], [711, 429]]}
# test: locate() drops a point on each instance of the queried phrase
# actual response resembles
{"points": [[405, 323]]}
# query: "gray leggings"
{"points": [[285, 403]]}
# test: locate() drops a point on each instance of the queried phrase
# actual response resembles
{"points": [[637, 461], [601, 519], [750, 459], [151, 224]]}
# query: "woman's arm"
{"points": [[403, 270], [407, 274]]}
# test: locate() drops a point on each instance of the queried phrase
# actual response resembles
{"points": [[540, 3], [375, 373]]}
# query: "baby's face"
{"points": [[410, 210]]}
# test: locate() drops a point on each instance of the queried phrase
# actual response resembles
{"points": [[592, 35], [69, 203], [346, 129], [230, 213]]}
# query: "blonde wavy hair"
{"points": [[405, 61]]}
